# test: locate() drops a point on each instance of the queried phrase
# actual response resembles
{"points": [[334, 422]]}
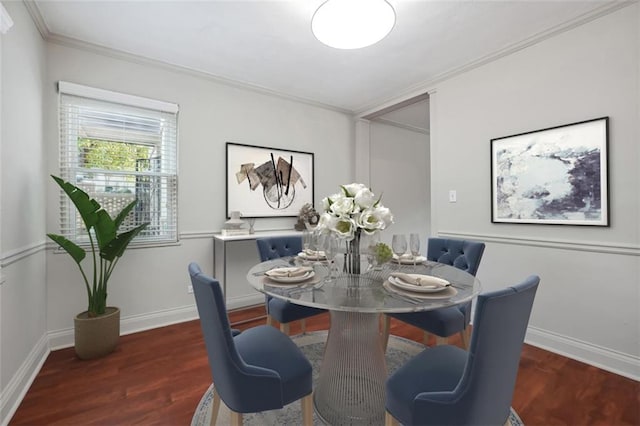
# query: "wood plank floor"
{"points": [[157, 377]]}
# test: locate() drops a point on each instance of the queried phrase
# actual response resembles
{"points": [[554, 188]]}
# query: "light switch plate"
{"points": [[453, 196]]}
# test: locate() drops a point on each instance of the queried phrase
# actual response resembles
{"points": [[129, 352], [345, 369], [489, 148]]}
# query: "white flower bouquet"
{"points": [[353, 210]]}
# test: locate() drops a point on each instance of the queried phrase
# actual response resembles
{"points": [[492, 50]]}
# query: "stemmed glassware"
{"points": [[371, 241], [330, 246], [306, 240], [414, 246], [399, 245], [316, 243]]}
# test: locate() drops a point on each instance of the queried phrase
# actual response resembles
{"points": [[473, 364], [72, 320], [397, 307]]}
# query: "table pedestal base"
{"points": [[350, 388]]}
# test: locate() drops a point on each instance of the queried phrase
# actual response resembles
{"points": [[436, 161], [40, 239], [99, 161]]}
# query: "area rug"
{"points": [[399, 351]]}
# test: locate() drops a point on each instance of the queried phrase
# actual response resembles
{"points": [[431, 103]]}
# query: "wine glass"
{"points": [[306, 240], [371, 241], [330, 246], [414, 246], [399, 245], [315, 246]]}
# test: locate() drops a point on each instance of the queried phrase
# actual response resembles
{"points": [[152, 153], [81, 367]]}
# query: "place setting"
{"points": [[289, 275], [312, 247], [419, 286], [312, 255]]}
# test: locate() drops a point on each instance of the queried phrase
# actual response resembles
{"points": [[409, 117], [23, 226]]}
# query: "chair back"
{"points": [[233, 377], [275, 247], [500, 323], [462, 254]]}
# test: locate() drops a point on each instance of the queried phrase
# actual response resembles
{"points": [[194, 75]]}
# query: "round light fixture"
{"points": [[352, 24]]}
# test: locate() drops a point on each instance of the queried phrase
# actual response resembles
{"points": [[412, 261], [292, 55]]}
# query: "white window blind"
{"points": [[119, 148]]}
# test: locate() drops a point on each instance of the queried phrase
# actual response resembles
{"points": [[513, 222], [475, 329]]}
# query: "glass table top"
{"points": [[369, 292]]}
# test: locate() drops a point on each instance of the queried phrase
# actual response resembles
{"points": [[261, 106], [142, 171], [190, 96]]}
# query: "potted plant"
{"points": [[98, 328]]}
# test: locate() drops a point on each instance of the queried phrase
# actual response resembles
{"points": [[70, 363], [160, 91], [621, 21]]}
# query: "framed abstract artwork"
{"points": [[556, 176], [267, 182]]}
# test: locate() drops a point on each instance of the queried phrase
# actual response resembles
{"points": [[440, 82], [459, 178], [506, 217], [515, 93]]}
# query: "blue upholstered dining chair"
{"points": [[447, 385], [445, 322], [282, 311], [260, 369]]}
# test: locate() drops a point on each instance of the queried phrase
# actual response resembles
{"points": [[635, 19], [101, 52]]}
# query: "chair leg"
{"points": [[465, 335], [215, 407], [269, 320], [386, 325], [389, 420], [236, 419], [307, 410], [425, 338], [441, 340], [303, 324], [284, 327]]}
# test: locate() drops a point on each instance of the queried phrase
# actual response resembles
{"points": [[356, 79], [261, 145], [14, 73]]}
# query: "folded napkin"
{"points": [[422, 280], [313, 253], [288, 272]]}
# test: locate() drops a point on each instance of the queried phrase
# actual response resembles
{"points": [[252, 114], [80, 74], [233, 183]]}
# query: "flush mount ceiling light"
{"points": [[352, 24]]}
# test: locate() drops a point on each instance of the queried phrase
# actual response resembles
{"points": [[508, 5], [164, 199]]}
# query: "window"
{"points": [[119, 148]]}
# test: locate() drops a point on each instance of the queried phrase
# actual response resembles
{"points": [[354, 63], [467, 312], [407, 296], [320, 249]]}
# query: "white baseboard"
{"points": [[606, 359], [59, 339], [242, 301], [12, 395], [63, 338]]}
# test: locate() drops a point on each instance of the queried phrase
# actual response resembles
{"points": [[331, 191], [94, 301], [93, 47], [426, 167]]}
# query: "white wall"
{"points": [[150, 284], [399, 168], [23, 292], [588, 303]]}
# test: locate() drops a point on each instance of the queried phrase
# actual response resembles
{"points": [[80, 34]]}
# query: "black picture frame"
{"points": [[555, 176], [260, 181]]}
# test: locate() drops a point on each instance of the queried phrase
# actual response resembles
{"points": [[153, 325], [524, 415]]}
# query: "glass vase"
{"points": [[352, 255]]}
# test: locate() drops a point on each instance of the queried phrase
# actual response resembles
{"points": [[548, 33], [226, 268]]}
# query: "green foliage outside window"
{"points": [[110, 155]]}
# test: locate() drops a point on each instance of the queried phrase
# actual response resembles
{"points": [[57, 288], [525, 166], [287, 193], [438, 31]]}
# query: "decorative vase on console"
{"points": [[234, 226], [349, 213]]}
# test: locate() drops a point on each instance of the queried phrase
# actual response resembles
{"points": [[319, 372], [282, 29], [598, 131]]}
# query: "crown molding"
{"points": [[5, 20], [401, 125], [427, 86], [47, 35], [37, 18], [142, 60]]}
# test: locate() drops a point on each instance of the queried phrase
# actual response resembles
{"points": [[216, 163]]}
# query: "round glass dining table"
{"points": [[351, 383]]}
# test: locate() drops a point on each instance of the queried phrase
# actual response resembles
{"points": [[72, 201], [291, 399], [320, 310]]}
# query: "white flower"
{"points": [[365, 198], [369, 222], [344, 227], [353, 188], [384, 214], [342, 206], [326, 222], [327, 201], [352, 210], [376, 219]]}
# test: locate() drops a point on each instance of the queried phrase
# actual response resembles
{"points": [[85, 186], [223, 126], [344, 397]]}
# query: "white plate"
{"points": [[268, 282], [405, 260], [306, 256], [418, 288], [295, 279], [447, 293]]}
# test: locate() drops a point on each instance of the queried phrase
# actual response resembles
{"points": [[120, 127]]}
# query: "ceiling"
{"points": [[268, 45]]}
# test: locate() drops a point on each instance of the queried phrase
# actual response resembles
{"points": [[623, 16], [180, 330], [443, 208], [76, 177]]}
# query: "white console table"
{"points": [[233, 256]]}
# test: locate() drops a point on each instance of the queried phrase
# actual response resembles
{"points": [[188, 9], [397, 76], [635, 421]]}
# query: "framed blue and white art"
{"points": [[555, 176]]}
